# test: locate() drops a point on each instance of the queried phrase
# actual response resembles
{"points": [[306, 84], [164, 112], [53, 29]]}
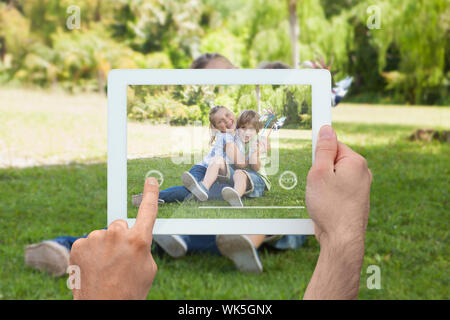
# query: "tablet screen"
{"points": [[220, 151]]}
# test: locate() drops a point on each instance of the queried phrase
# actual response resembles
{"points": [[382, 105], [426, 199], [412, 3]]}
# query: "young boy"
{"points": [[249, 177]]}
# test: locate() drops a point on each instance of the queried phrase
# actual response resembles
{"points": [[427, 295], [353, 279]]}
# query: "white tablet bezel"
{"points": [[119, 79]]}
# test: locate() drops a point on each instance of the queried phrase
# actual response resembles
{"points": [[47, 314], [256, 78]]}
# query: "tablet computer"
{"points": [[179, 126]]}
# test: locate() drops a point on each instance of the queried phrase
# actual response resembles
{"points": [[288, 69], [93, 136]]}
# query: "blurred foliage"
{"points": [[181, 105], [407, 60]]}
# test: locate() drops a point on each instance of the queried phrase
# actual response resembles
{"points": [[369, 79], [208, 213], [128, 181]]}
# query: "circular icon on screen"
{"points": [[157, 175], [288, 180]]}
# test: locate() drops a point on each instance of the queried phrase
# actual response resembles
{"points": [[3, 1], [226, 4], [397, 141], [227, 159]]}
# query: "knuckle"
{"points": [[77, 245], [118, 226], [115, 231], [358, 162], [119, 222], [363, 162], [316, 173], [96, 234], [137, 241]]}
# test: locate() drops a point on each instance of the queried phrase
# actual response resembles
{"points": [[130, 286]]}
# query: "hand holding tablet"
{"points": [[338, 201], [338, 190]]}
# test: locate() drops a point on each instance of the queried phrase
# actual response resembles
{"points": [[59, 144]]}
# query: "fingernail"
{"points": [[152, 181], [326, 132]]}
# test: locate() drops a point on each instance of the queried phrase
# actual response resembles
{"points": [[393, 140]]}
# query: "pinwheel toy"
{"points": [[269, 115], [277, 125]]}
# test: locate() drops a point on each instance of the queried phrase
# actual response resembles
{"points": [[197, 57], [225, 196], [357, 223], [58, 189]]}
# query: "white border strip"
{"points": [[232, 226], [252, 207]]}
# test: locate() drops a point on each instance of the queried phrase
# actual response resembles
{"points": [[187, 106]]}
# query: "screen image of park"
{"points": [[220, 151]]}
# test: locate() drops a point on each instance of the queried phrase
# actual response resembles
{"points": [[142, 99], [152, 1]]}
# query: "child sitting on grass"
{"points": [[246, 173], [222, 123]]}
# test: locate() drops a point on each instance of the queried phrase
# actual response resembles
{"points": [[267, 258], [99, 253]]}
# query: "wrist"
{"points": [[342, 243], [338, 270]]}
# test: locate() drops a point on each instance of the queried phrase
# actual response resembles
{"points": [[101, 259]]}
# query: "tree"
{"points": [[294, 29], [153, 26]]}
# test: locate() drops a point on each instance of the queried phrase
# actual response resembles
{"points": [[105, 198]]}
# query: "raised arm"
{"points": [[254, 159], [338, 200]]}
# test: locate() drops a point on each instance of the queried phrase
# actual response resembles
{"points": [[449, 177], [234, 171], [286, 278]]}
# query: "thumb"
{"points": [[326, 149]]}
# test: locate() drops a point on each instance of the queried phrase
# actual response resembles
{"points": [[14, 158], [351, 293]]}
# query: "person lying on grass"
{"points": [[240, 162], [53, 255]]}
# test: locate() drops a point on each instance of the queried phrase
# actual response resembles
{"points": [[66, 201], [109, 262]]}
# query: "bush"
{"points": [[162, 108], [178, 105]]}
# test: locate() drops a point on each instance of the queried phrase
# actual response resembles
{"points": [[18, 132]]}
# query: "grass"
{"points": [[407, 234], [294, 155]]}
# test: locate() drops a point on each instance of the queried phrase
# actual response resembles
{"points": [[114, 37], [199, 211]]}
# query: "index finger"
{"points": [[148, 210]]}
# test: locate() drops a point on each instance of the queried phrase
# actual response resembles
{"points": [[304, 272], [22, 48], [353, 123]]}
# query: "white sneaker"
{"points": [[194, 186], [241, 251], [48, 256], [173, 245], [232, 197]]}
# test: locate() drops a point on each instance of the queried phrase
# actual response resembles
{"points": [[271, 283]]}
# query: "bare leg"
{"points": [[217, 165], [256, 239], [240, 182]]}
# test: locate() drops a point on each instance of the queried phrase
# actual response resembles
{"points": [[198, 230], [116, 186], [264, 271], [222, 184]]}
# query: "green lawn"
{"points": [[407, 234]]}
